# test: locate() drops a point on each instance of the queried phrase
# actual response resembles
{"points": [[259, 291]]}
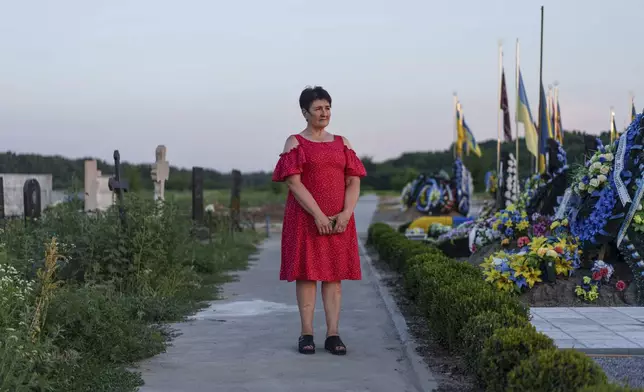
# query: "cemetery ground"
{"points": [[85, 296]]}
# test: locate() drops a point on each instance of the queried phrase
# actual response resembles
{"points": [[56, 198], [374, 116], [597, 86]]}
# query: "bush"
{"points": [[466, 314], [609, 388], [555, 371], [505, 349], [454, 305], [481, 327], [77, 318]]}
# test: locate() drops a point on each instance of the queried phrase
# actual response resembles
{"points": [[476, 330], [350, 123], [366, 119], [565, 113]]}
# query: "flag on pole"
{"points": [[460, 133], [613, 127], [470, 140], [558, 125], [545, 130], [524, 116], [505, 107]]}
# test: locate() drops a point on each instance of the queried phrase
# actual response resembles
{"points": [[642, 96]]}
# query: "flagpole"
{"points": [[516, 117], [455, 123], [612, 130], [556, 111], [499, 118], [540, 84]]}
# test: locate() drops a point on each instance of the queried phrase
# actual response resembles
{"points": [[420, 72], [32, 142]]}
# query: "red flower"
{"points": [[523, 241], [620, 285], [604, 271], [559, 249], [597, 275]]}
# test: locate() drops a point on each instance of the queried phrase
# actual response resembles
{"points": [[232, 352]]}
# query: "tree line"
{"points": [[391, 174]]}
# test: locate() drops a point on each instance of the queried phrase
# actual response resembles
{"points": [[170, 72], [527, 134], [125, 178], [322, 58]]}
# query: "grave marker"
{"points": [[31, 199], [197, 194], [1, 197], [118, 185], [160, 173], [235, 201]]}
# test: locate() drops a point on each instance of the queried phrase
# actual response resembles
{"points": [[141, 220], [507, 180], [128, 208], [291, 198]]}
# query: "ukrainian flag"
{"points": [[558, 123], [460, 132], [545, 130], [471, 140], [524, 116]]}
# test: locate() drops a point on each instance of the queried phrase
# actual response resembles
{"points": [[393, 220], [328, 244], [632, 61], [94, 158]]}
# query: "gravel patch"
{"points": [[623, 370]]}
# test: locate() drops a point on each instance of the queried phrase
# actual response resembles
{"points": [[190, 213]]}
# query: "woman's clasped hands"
{"points": [[333, 224]]}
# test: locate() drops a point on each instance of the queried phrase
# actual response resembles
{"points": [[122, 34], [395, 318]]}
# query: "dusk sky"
{"points": [[218, 82]]}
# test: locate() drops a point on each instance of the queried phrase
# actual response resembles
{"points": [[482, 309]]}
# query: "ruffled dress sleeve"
{"points": [[289, 163], [354, 166]]}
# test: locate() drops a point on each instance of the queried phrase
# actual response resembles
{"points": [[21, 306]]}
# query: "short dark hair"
{"points": [[311, 94]]}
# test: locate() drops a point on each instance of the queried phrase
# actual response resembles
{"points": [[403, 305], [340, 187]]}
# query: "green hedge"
{"points": [[489, 327]]}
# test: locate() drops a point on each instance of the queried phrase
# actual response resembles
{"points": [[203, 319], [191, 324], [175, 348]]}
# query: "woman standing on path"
{"points": [[319, 239]]}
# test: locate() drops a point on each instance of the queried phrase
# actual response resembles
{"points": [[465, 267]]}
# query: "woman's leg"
{"points": [[305, 292], [332, 299]]}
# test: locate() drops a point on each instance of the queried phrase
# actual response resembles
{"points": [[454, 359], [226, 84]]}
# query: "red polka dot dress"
{"points": [[306, 254]]}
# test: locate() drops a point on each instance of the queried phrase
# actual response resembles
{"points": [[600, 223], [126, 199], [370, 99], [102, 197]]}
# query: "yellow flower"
{"points": [[537, 243], [505, 241], [593, 295], [523, 225], [511, 208], [586, 279], [563, 266], [532, 276], [554, 225], [541, 252], [564, 222]]}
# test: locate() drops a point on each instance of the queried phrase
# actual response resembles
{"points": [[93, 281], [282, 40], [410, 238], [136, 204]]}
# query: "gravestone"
{"points": [[91, 185], [160, 173], [197, 195], [235, 201], [500, 184], [117, 185], [31, 199], [1, 197]]}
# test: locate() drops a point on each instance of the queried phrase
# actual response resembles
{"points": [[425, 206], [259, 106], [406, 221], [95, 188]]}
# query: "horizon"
{"points": [[205, 79]]}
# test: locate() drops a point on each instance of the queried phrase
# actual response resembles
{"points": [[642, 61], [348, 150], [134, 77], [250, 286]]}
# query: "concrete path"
{"points": [[594, 330], [248, 342]]}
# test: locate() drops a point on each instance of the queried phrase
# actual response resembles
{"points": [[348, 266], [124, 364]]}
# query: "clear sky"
{"points": [[218, 82]]}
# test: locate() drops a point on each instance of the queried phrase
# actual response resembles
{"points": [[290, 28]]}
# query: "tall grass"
{"points": [[83, 297]]}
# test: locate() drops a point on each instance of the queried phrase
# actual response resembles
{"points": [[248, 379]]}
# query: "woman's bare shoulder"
{"points": [[346, 141], [291, 143]]}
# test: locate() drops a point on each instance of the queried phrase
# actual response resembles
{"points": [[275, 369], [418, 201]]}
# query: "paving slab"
{"points": [[248, 340], [594, 330]]}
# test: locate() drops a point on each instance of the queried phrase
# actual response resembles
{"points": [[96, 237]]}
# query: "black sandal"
{"points": [[304, 344], [334, 345]]}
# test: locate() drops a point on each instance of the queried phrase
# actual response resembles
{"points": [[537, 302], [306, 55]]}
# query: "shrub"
{"points": [[604, 387], [504, 350], [555, 370], [481, 327], [75, 319], [466, 314], [103, 324], [457, 303]]}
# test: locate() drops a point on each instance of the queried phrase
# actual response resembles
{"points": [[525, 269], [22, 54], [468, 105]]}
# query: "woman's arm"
{"points": [[352, 191], [351, 196]]}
